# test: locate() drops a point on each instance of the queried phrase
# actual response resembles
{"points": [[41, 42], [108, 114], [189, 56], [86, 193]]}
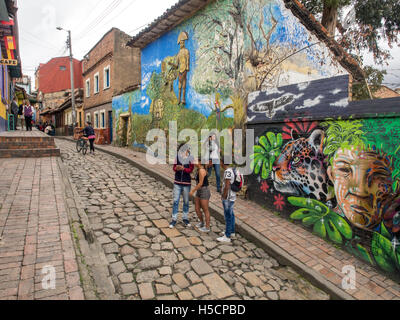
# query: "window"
{"points": [[63, 68], [96, 120], [96, 83], [103, 119], [107, 79], [88, 117], [88, 88]]}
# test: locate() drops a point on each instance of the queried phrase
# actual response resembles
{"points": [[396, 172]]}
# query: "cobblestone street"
{"points": [[130, 211]]}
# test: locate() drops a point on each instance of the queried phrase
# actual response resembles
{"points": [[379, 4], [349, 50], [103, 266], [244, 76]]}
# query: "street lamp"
{"points": [[69, 44]]}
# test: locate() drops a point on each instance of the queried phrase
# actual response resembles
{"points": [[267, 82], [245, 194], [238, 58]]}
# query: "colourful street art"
{"points": [[201, 73], [339, 177]]}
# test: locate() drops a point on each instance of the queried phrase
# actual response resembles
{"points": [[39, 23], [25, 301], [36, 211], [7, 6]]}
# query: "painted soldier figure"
{"points": [[183, 66]]}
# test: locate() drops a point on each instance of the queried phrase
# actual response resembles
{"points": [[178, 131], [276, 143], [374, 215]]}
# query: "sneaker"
{"points": [[224, 239], [205, 230], [187, 223], [172, 224], [233, 235], [200, 225]]}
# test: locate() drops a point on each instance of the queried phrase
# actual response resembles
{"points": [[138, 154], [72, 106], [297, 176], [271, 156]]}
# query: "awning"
{"points": [[3, 11]]}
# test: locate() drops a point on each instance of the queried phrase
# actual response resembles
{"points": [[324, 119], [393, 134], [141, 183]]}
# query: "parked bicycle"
{"points": [[82, 145]]}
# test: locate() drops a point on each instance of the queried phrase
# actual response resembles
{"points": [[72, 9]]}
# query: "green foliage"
{"points": [[341, 134], [383, 135], [140, 126], [374, 78], [325, 221], [155, 86], [265, 154], [386, 256], [376, 20], [224, 123]]}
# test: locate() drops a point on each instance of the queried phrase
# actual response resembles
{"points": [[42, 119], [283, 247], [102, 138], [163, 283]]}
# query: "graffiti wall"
{"points": [[336, 173], [201, 72]]}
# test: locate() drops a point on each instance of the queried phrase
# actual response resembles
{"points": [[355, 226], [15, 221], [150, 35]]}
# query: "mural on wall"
{"points": [[339, 177], [226, 51]]}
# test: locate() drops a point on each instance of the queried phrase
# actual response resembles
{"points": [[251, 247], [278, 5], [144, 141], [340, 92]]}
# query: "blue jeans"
{"points": [[178, 191], [217, 168], [229, 217]]}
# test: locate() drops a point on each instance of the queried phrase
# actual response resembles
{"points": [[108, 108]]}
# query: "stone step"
{"points": [[26, 139], [27, 145], [30, 153]]}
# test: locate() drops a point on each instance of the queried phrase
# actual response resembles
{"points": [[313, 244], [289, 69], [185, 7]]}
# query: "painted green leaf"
{"points": [[272, 140], [342, 226], [265, 171], [319, 228], [260, 150], [258, 165], [364, 254], [255, 161], [385, 232], [264, 142], [333, 232], [383, 253], [279, 140], [301, 214], [311, 204], [310, 221], [252, 156], [271, 163]]}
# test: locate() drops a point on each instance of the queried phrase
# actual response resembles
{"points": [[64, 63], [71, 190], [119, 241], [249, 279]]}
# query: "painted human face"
{"points": [[363, 183]]}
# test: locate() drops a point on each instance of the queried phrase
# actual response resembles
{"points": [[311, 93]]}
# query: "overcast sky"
{"points": [[89, 20]]}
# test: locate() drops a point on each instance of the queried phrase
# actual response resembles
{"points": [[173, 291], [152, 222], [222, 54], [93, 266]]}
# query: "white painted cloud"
{"points": [[253, 96], [341, 103], [303, 86], [336, 91], [309, 103]]}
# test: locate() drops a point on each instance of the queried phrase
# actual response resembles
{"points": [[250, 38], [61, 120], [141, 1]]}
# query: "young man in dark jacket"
{"points": [[184, 166]]}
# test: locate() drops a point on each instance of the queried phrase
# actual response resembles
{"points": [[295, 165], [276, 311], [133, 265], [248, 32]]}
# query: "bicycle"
{"points": [[82, 145]]}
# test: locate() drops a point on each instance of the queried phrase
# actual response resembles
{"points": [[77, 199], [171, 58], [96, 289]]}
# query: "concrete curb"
{"points": [[94, 267], [249, 233]]}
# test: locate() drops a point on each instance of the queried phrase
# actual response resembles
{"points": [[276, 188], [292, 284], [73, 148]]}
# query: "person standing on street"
{"points": [[28, 114], [14, 112], [214, 153], [202, 198], [232, 183], [183, 182], [21, 115]]}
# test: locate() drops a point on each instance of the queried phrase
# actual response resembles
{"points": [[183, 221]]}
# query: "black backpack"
{"points": [[20, 109], [237, 185]]}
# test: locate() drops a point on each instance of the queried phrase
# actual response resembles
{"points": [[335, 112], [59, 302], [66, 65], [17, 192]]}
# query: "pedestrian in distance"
{"points": [[214, 157], [233, 182], [14, 112], [183, 167], [21, 116], [28, 114], [202, 197], [89, 133]]}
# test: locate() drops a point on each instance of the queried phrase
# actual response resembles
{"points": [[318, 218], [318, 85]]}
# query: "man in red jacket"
{"points": [[183, 182]]}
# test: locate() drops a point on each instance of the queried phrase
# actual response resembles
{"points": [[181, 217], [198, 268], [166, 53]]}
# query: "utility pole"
{"points": [[69, 45]]}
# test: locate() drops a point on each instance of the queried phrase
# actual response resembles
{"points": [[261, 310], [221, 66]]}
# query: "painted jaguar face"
{"points": [[300, 170], [363, 185]]}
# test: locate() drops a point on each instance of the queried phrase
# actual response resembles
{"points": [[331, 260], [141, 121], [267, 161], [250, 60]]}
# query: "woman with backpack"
{"points": [[233, 181]]}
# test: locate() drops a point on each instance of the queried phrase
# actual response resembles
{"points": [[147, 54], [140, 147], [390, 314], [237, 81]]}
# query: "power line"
{"points": [[98, 20]]}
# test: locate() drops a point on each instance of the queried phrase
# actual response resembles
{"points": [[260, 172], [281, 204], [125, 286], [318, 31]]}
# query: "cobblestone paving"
{"points": [[130, 212]]}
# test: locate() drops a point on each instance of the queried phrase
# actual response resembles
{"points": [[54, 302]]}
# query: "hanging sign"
{"points": [[8, 62]]}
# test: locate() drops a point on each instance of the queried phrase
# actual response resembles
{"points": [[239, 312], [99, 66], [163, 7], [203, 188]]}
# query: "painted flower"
{"points": [[279, 202], [264, 187]]}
